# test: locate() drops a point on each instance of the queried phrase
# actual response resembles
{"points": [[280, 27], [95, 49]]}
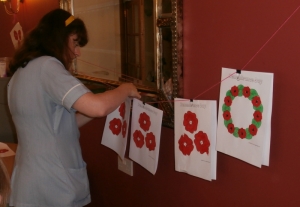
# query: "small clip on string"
{"points": [[239, 73], [191, 100]]}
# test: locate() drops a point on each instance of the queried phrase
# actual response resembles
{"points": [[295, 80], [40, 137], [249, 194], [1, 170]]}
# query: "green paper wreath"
{"points": [[253, 96]]}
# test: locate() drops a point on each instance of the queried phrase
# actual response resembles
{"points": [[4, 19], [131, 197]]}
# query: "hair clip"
{"points": [[69, 20]]}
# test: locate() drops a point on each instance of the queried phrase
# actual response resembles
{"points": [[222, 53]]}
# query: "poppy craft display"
{"points": [[244, 120], [116, 129], [145, 135], [195, 138], [16, 35]]}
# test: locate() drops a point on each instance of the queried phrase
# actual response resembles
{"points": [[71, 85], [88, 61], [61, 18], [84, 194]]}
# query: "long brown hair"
{"points": [[4, 184], [50, 38]]}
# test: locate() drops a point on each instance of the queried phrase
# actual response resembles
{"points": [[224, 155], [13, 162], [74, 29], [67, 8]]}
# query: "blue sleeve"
{"points": [[63, 88]]}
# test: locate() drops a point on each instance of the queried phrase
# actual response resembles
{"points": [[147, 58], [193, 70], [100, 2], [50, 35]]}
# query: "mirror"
{"points": [[137, 41]]}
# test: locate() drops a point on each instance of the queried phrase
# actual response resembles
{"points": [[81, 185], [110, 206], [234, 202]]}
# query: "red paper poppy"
{"points": [[122, 110], [16, 35], [138, 138], [190, 122], [124, 128], [202, 142], [230, 128], [226, 115], [252, 129], [257, 116], [242, 133], [246, 91], [115, 126], [185, 145], [256, 101], [228, 101], [144, 121], [234, 91], [150, 141], [20, 35], [3, 150]]}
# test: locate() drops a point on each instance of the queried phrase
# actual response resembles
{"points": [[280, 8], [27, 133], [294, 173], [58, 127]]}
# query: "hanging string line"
{"points": [[214, 85], [272, 36], [125, 78], [129, 79], [199, 94]]}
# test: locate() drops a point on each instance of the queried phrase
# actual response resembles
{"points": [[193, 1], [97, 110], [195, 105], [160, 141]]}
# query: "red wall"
{"points": [[218, 34], [29, 15]]}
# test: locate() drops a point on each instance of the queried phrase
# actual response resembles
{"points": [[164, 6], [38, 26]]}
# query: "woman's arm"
{"points": [[101, 104], [82, 119]]}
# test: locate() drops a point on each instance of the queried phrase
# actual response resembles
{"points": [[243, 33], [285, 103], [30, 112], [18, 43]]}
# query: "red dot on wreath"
{"points": [[246, 92], [234, 90], [230, 128], [242, 133], [228, 100], [256, 101], [226, 115]]}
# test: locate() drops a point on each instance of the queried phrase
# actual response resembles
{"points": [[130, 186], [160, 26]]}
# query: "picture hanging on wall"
{"points": [[244, 118], [145, 135], [195, 137], [116, 128], [16, 35]]}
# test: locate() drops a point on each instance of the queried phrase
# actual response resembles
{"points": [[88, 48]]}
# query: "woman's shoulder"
{"points": [[44, 59], [45, 63]]}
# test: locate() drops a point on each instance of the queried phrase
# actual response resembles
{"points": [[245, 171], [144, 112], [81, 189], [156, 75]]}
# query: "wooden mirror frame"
{"points": [[174, 21]]}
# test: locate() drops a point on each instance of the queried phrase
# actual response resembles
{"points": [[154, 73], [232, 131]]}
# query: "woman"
{"points": [[43, 98], [4, 184]]}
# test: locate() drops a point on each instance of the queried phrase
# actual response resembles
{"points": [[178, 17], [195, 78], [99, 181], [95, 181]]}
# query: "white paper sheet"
{"points": [[145, 135], [195, 138], [244, 118], [5, 151], [116, 129], [16, 35]]}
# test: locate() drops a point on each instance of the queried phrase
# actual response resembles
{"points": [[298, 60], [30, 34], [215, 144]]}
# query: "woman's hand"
{"points": [[131, 90]]}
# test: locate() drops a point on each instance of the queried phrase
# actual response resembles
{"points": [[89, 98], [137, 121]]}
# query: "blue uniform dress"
{"points": [[49, 169]]}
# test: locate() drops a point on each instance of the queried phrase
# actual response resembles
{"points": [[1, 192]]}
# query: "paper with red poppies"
{"points": [[195, 137], [244, 118], [5, 151], [16, 35], [145, 135], [116, 128]]}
